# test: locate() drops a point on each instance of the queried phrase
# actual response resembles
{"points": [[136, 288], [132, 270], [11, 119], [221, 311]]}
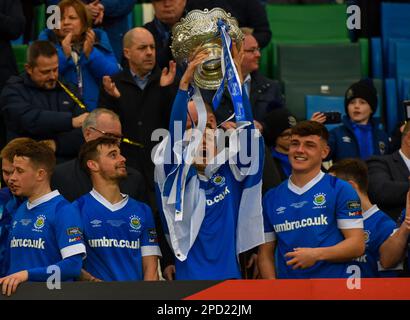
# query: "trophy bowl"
{"points": [[199, 29]]}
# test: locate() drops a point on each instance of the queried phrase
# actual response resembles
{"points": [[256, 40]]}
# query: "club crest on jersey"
{"points": [[218, 180], [135, 223], [319, 199], [366, 236], [39, 224]]}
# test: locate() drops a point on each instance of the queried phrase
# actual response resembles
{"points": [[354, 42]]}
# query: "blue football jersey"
{"points": [[310, 217], [378, 227], [117, 236], [44, 232]]}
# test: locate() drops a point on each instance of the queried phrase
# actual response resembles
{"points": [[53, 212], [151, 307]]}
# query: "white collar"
{"points": [[371, 211], [42, 199], [405, 159], [307, 186], [112, 207]]}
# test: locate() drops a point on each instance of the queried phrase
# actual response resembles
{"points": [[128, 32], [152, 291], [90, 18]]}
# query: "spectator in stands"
{"points": [[314, 239], [250, 14], [112, 16], [36, 105], [85, 55], [46, 229], [8, 202], [11, 27], [73, 182], [167, 13], [134, 224], [388, 177], [378, 226], [265, 94], [142, 97], [359, 136]]}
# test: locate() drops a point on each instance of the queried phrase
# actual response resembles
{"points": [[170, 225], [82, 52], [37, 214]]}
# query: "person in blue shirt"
{"points": [[312, 219], [210, 202], [8, 202], [85, 55], [46, 227], [359, 135], [119, 231], [378, 226]]}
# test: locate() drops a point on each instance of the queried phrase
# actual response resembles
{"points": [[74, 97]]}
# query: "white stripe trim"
{"points": [[368, 213], [270, 236], [73, 250], [150, 251], [42, 199], [350, 223], [112, 207], [299, 191]]}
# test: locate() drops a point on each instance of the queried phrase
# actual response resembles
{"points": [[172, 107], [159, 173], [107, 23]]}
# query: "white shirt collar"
{"points": [[42, 199], [405, 159], [307, 186], [371, 211], [112, 207]]}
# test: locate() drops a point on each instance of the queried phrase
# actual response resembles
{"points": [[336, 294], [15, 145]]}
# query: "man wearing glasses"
{"points": [[265, 94], [73, 182]]}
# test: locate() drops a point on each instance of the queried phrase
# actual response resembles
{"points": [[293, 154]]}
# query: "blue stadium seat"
{"points": [[394, 114], [402, 67]]}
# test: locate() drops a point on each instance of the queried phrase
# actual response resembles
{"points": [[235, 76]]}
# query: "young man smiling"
{"points": [[314, 219]]}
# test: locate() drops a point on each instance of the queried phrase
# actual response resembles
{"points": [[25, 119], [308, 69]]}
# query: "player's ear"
{"points": [[92, 165], [325, 150], [41, 174]]}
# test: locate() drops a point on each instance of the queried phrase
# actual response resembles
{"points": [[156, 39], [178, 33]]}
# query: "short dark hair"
{"points": [[89, 150], [40, 48], [309, 128], [9, 151], [39, 153], [352, 169]]}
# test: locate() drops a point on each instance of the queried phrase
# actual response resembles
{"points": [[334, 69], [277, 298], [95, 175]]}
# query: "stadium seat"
{"points": [[324, 104], [39, 19], [137, 15], [394, 113], [295, 92], [319, 62], [402, 66], [20, 52], [307, 22]]}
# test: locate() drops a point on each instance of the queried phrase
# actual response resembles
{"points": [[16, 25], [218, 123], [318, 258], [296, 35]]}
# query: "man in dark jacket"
{"points": [[167, 13], [73, 182], [389, 177], [35, 104], [249, 14], [11, 27], [142, 96]]}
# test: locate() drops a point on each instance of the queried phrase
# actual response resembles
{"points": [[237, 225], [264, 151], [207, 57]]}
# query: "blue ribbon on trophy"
{"points": [[230, 75]]}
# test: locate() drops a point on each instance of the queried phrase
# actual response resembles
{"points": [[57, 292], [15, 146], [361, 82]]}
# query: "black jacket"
{"points": [[388, 183], [30, 111], [72, 182], [141, 112], [11, 27], [249, 13]]}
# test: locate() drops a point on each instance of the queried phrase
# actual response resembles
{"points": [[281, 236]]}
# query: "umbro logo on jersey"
{"points": [[25, 222], [298, 205], [96, 223], [346, 139], [280, 210]]}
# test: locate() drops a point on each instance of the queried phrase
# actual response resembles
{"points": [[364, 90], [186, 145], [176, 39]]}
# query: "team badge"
{"points": [[366, 236], [135, 222], [218, 180], [319, 199], [39, 224]]}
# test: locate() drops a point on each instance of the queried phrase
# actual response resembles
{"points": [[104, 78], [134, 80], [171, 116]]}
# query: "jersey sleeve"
{"points": [[149, 240], [267, 224], [348, 207], [385, 228], [68, 228]]}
